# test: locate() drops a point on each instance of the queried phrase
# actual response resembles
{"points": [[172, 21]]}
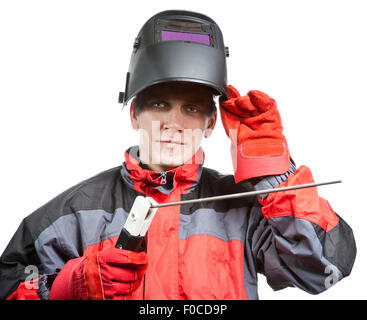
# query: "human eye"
{"points": [[191, 109], [159, 105]]}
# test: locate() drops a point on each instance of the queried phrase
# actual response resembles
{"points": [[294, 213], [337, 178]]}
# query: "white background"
{"points": [[62, 64]]}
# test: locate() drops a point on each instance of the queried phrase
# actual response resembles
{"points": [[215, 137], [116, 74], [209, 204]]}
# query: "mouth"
{"points": [[171, 142]]}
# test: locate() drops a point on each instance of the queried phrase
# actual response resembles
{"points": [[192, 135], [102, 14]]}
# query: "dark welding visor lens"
{"points": [[185, 36]]}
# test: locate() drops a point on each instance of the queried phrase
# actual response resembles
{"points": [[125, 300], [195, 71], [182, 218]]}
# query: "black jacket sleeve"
{"points": [[292, 249]]}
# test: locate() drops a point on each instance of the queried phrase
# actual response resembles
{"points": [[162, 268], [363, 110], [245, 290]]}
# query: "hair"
{"points": [[143, 95]]}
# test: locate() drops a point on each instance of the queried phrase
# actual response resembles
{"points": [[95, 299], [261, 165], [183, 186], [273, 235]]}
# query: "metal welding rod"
{"points": [[244, 194]]}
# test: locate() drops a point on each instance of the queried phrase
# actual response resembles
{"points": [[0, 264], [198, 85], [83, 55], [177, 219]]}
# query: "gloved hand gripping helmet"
{"points": [[177, 45]]}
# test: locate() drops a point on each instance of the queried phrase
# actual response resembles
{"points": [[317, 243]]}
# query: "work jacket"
{"points": [[208, 250]]}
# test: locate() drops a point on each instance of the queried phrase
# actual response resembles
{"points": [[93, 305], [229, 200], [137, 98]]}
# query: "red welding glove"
{"points": [[253, 124], [111, 274]]}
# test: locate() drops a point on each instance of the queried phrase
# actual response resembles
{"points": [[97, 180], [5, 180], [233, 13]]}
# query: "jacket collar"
{"points": [[186, 175]]}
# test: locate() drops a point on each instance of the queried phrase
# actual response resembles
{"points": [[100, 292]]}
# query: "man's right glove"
{"points": [[110, 274]]}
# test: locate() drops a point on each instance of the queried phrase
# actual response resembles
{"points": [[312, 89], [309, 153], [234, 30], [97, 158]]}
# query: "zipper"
{"points": [[146, 250], [163, 177]]}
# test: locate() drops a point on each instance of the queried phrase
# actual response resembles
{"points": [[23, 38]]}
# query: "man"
{"points": [[211, 250]]}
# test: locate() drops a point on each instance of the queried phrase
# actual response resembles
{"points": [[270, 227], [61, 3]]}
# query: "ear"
{"points": [[133, 117], [211, 124]]}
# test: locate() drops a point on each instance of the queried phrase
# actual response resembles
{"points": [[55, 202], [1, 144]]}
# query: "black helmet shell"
{"points": [[177, 45]]}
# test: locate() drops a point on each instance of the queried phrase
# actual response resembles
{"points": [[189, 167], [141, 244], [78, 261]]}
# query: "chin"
{"points": [[172, 159]]}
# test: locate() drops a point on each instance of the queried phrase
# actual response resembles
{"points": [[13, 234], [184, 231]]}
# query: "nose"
{"points": [[174, 119]]}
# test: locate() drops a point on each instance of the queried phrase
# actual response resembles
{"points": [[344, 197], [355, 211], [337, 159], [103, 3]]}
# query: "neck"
{"points": [[156, 167]]}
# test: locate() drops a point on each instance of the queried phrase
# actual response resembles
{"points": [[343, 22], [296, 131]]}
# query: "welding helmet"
{"points": [[177, 45]]}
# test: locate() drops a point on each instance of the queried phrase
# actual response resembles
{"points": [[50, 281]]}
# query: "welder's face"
{"points": [[172, 119]]}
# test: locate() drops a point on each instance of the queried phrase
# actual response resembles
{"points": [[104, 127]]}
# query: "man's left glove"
{"points": [[253, 124]]}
